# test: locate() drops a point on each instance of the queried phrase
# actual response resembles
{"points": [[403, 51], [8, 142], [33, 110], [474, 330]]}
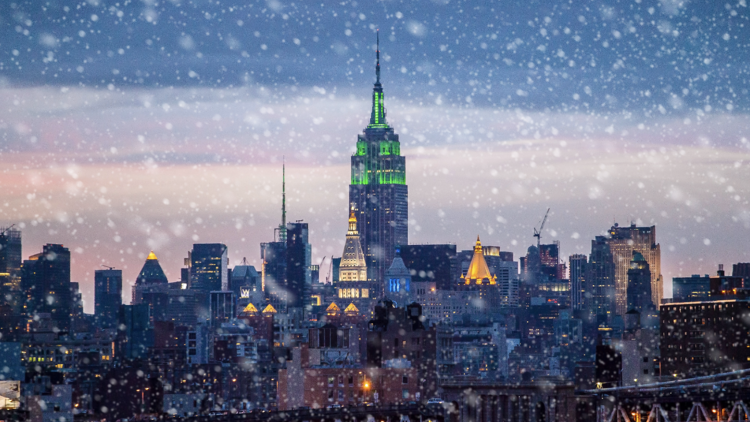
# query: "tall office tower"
{"points": [[107, 297], [639, 285], [599, 280], [623, 241], [151, 278], [354, 286], [298, 260], [577, 264], [378, 189], [273, 272], [45, 283], [208, 267], [10, 268]]}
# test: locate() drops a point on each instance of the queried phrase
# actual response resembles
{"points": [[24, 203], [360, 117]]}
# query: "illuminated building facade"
{"points": [[208, 267], [378, 189], [354, 286], [623, 241]]}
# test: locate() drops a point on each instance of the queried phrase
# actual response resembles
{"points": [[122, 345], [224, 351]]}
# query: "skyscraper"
{"points": [[45, 283], [298, 260], [599, 280], [10, 268], [151, 278], [577, 263], [107, 296], [208, 267], [353, 285], [378, 189], [639, 285], [623, 241]]}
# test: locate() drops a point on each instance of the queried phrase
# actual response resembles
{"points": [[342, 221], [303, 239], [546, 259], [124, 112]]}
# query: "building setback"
{"points": [[378, 190]]}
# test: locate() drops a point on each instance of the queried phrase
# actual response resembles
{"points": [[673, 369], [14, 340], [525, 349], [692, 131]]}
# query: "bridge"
{"points": [[394, 413], [713, 398], [551, 400]]}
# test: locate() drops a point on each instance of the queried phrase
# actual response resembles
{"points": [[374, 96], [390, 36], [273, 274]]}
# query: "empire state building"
{"points": [[378, 191]]}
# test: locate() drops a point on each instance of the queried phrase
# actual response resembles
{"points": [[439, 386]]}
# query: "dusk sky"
{"points": [[130, 126]]}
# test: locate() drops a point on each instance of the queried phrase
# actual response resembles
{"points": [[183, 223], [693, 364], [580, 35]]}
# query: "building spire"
{"points": [[282, 227], [377, 116], [377, 55]]}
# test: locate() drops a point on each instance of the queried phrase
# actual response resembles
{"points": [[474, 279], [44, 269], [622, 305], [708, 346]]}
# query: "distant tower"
{"points": [[354, 286], [45, 282], [378, 188], [273, 257], [623, 241], [107, 297], [577, 263], [639, 285]]}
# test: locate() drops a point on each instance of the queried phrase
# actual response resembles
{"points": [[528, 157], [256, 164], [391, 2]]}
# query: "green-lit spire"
{"points": [[377, 117]]}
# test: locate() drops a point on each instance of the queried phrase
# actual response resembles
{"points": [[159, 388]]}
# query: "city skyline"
{"points": [[75, 147]]}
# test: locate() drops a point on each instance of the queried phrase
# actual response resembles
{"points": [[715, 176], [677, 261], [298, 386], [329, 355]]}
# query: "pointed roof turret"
{"points": [[269, 309], [478, 270], [333, 309], [250, 309], [351, 310], [398, 268], [151, 273], [353, 257]]}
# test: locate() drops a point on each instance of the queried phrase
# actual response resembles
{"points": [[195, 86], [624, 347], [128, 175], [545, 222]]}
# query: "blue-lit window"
{"points": [[394, 285]]}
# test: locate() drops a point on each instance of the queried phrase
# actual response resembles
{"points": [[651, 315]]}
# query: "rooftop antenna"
{"points": [[377, 55], [282, 226]]}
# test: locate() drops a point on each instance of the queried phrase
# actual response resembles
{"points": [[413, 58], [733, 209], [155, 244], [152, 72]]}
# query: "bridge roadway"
{"points": [[394, 413]]}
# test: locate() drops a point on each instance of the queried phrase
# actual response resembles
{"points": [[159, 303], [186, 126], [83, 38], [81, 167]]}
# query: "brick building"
{"points": [[307, 382]]}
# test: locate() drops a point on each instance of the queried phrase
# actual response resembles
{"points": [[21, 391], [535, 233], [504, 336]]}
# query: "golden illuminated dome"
{"points": [[333, 309], [151, 256], [478, 270], [269, 309], [250, 309]]}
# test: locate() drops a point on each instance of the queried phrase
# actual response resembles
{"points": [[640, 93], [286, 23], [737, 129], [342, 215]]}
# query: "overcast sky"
{"points": [[127, 126]]}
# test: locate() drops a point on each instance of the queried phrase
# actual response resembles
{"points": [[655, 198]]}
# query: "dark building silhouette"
{"points": [[10, 269], [273, 271], [378, 190], [600, 280], [208, 267], [431, 263], [577, 264], [639, 285], [107, 297], [691, 289], [703, 338], [45, 283], [298, 260]]}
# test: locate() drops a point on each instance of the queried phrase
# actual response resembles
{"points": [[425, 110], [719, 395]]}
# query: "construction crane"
{"points": [[108, 267], [7, 229], [320, 267], [538, 234]]}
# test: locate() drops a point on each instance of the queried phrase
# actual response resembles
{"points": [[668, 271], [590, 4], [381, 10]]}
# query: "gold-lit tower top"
{"points": [[151, 256], [352, 224], [478, 270]]}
